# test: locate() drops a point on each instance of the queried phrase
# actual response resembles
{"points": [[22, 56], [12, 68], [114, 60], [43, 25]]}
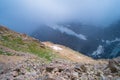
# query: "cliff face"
{"points": [[25, 58]]}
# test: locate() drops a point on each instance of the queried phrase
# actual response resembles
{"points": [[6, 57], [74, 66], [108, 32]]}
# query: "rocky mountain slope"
{"points": [[26, 58]]}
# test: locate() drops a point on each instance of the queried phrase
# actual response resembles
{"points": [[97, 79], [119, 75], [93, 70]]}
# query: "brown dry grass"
{"points": [[72, 55]]}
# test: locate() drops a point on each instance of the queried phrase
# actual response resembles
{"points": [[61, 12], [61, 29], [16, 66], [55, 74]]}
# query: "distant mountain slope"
{"points": [[94, 37], [113, 31], [110, 42]]}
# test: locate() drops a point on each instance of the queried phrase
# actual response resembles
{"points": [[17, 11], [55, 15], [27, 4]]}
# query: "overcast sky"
{"points": [[27, 14]]}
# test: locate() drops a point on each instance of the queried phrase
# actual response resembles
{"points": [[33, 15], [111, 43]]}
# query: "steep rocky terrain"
{"points": [[26, 58]]}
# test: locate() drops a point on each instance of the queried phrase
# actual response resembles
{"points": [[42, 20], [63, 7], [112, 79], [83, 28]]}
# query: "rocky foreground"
{"points": [[30, 67]]}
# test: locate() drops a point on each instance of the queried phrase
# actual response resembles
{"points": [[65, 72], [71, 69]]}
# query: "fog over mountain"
{"points": [[68, 31], [31, 13], [84, 25]]}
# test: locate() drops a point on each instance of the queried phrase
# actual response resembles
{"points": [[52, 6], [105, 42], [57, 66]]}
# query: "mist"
{"points": [[20, 15], [67, 31]]}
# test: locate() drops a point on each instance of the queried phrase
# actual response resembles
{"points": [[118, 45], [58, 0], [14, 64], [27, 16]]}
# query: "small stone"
{"points": [[75, 74], [15, 74]]}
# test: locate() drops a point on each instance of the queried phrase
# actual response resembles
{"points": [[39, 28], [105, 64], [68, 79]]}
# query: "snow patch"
{"points": [[99, 51], [111, 41], [56, 48], [79, 57]]}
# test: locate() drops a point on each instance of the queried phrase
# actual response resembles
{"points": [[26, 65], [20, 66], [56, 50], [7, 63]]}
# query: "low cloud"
{"points": [[26, 14], [68, 31]]}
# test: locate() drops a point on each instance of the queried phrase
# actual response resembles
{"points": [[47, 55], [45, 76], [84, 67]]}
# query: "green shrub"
{"points": [[5, 53]]}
